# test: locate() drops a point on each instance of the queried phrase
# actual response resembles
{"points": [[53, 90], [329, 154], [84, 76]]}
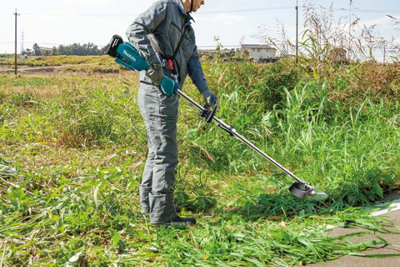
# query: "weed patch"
{"points": [[73, 145]]}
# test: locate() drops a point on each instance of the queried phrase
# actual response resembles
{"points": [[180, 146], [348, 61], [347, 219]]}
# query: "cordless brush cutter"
{"points": [[127, 55]]}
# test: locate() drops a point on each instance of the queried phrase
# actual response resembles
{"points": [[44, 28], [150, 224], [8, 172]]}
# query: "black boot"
{"points": [[177, 208], [179, 221]]}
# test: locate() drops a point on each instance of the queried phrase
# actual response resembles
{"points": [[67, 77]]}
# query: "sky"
{"points": [[53, 22]]}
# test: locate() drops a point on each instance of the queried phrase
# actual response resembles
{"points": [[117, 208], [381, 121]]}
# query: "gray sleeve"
{"points": [[146, 24], [196, 73]]}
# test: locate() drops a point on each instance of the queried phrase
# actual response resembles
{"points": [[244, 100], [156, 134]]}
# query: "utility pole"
{"points": [[350, 22], [22, 41], [297, 31], [15, 14]]}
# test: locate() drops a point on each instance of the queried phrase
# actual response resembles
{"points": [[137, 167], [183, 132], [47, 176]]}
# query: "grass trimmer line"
{"points": [[126, 55]]}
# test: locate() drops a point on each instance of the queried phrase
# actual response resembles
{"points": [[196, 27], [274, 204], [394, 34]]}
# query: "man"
{"points": [[165, 38]]}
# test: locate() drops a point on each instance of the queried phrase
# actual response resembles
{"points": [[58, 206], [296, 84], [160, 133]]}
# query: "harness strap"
{"points": [[171, 59]]}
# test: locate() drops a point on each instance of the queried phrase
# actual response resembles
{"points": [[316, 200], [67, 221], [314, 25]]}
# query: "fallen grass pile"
{"points": [[73, 148]]}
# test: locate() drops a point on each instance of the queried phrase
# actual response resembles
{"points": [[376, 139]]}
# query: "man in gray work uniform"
{"points": [[164, 37]]}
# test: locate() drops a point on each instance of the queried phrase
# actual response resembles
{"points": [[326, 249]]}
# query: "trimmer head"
{"points": [[304, 191]]}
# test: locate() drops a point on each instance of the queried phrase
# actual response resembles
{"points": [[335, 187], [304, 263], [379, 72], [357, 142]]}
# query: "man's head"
{"points": [[192, 5]]}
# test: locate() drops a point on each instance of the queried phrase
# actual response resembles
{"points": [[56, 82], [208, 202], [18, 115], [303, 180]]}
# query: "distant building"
{"points": [[259, 52], [45, 49]]}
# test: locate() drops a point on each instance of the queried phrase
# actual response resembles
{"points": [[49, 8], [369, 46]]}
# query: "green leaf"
{"points": [[76, 257], [116, 237], [379, 255], [96, 201]]}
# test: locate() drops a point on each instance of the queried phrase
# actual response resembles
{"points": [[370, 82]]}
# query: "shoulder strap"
{"points": [[158, 49], [185, 26]]}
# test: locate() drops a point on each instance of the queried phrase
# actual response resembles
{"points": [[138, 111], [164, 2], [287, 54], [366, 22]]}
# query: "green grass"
{"points": [[73, 147]]}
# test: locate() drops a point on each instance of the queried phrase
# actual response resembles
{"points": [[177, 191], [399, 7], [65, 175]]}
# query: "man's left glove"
{"points": [[210, 98], [156, 73]]}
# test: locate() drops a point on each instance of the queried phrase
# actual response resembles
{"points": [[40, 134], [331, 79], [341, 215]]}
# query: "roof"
{"points": [[45, 48], [257, 46]]}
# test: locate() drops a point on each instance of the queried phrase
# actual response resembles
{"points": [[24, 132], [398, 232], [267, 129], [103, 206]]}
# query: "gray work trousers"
{"points": [[160, 114]]}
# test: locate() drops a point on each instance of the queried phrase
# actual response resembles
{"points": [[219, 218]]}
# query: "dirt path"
{"points": [[394, 239]]}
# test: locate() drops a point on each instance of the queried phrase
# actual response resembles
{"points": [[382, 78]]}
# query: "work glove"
{"points": [[155, 73], [210, 98]]}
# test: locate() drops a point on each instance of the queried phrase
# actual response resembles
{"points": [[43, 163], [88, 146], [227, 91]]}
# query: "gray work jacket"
{"points": [[163, 23]]}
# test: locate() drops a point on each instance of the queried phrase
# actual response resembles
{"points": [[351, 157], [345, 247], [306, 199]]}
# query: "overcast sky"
{"points": [[53, 22]]}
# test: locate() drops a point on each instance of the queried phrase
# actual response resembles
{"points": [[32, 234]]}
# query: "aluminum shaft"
{"points": [[231, 130]]}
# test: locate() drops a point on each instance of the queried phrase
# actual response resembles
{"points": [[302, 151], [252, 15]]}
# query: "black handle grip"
{"points": [[207, 114]]}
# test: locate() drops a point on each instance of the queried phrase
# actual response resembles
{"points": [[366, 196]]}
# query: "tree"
{"points": [[27, 52], [54, 51], [73, 49], [37, 50]]}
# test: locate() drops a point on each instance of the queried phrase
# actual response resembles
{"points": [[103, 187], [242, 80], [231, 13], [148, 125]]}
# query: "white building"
{"points": [[259, 51]]}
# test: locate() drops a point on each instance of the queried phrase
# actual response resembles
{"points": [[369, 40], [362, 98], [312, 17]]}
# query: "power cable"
{"points": [[247, 10], [380, 11], [244, 11], [200, 13]]}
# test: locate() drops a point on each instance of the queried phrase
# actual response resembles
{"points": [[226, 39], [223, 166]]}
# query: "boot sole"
{"points": [[174, 223]]}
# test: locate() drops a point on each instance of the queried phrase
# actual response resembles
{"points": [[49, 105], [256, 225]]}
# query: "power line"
{"points": [[43, 43], [200, 13], [243, 11], [240, 11], [380, 11], [247, 10]]}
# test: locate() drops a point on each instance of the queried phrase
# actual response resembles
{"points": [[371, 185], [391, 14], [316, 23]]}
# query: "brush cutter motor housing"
{"points": [[125, 54]]}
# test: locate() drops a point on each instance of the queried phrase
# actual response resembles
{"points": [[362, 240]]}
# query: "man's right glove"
{"points": [[210, 98], [156, 73]]}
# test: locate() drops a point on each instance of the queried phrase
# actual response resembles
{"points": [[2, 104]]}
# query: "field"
{"points": [[73, 146]]}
